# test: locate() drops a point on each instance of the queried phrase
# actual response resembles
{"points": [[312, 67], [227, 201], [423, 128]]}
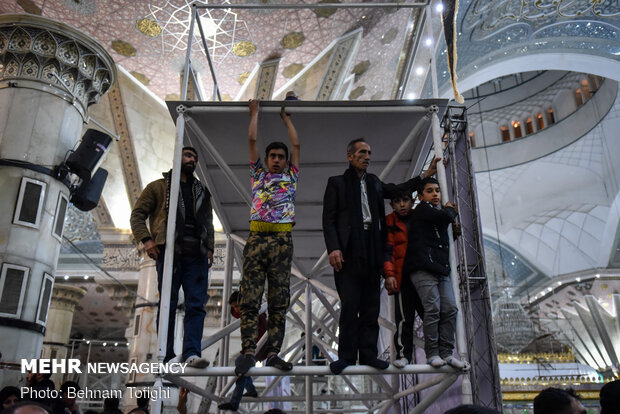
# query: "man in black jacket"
{"points": [[354, 231], [193, 249]]}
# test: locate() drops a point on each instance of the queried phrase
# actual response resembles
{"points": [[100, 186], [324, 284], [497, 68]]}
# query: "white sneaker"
{"points": [[436, 362], [195, 361], [400, 363], [456, 363]]}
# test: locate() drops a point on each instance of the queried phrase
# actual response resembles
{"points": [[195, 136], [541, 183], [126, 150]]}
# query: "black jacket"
{"points": [[429, 245], [337, 225]]}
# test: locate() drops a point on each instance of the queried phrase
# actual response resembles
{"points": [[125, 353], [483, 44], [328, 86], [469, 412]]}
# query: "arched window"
{"points": [[585, 90], [529, 126], [516, 126], [505, 133], [540, 122], [594, 82], [471, 139], [550, 116], [578, 97]]}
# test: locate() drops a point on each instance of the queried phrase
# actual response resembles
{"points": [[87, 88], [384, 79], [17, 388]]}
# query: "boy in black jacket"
{"points": [[428, 266]]}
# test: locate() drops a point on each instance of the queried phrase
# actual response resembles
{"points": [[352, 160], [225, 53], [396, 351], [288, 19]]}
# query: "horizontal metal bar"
{"points": [[419, 387], [324, 397], [354, 410], [302, 370], [308, 109], [386, 323], [314, 6], [181, 382], [105, 129]]}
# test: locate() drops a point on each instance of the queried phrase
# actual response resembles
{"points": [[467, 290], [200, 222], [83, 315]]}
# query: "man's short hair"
{"points": [[554, 401], [234, 297], [142, 401], [400, 195], [69, 384], [192, 149], [7, 391], [351, 145], [610, 398], [275, 145], [111, 403], [34, 407], [471, 409], [424, 182]]}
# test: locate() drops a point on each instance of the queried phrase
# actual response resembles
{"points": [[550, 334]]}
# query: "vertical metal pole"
{"points": [[308, 346], [87, 361], [164, 297], [433, 65], [216, 88], [190, 38], [394, 377], [432, 396], [412, 52], [461, 343], [65, 376], [228, 273]]}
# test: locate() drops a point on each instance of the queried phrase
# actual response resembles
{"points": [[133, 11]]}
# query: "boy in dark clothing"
{"points": [[406, 299], [428, 266]]}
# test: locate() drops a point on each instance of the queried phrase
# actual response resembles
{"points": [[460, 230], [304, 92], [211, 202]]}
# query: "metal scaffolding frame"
{"points": [[307, 286]]}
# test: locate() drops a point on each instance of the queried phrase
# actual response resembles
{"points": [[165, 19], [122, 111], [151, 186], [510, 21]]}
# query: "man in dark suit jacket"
{"points": [[354, 231]]}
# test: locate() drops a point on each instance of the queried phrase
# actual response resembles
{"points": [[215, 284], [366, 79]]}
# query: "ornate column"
{"points": [[59, 321], [49, 74]]}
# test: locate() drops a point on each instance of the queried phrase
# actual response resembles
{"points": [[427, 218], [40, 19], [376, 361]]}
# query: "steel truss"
{"points": [[307, 288], [474, 288]]}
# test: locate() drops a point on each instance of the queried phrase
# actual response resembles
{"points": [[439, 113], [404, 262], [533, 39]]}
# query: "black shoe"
{"points": [[277, 362], [337, 366], [252, 394], [376, 363], [227, 406], [244, 364], [167, 358]]}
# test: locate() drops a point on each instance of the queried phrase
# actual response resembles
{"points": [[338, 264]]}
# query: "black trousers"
{"points": [[406, 304], [358, 287]]}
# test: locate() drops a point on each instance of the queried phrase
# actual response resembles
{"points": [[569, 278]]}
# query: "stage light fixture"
{"points": [[86, 196], [86, 158]]}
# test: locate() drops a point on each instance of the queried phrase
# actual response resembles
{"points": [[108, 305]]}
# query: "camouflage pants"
{"points": [[266, 256]]}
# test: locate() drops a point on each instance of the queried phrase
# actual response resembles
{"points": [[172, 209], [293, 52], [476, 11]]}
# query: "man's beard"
{"points": [[188, 169]]}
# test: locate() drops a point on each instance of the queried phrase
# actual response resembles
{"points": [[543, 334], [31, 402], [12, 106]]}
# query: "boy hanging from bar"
{"points": [[268, 252]]}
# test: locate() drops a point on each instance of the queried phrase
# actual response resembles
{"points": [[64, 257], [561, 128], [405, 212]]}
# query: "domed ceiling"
{"points": [[148, 39]]}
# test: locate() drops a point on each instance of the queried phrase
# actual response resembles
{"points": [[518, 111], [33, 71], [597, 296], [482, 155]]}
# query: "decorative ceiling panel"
{"points": [[149, 38], [493, 31]]}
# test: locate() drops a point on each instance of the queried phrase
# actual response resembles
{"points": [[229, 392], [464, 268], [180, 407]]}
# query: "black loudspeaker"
{"points": [[84, 160], [86, 196]]}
